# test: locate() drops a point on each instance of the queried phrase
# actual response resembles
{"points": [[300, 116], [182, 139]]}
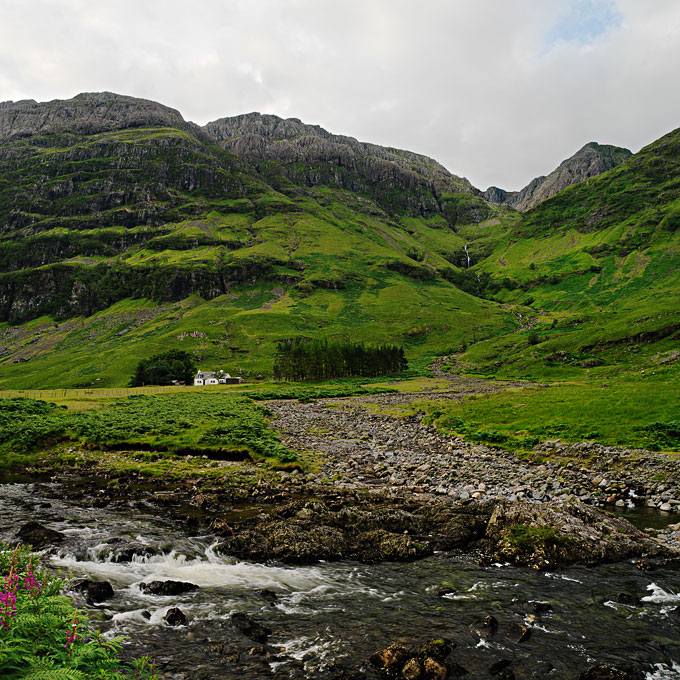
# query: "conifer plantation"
{"points": [[304, 359]]}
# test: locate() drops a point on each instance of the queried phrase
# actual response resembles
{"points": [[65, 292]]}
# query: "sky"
{"points": [[498, 91]]}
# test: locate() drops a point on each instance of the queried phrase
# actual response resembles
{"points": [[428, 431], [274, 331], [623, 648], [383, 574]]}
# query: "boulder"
{"points": [[545, 536], [249, 627], [175, 617], [94, 591], [167, 588], [38, 536], [486, 628], [391, 658]]}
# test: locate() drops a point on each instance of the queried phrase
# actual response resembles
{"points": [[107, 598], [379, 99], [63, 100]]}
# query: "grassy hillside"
{"points": [[597, 268], [122, 243]]}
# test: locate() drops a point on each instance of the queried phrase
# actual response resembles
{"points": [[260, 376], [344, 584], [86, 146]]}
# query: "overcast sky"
{"points": [[499, 91]]}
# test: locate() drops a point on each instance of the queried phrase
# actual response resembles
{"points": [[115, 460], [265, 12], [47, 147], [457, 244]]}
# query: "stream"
{"points": [[331, 616]]}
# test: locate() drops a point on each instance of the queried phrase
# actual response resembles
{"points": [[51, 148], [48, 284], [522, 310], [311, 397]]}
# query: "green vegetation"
{"points": [[42, 635], [206, 424], [315, 360], [642, 413], [528, 539], [164, 369]]}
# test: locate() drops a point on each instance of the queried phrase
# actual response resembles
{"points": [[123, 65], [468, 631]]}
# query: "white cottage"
{"points": [[215, 378]]}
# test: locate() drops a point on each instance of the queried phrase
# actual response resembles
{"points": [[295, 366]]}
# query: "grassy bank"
{"points": [[216, 425], [641, 413]]}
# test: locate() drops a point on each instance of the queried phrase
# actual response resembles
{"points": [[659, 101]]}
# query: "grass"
{"points": [[217, 425], [638, 413]]}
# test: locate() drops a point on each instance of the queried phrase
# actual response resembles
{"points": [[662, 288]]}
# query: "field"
{"points": [[642, 413]]}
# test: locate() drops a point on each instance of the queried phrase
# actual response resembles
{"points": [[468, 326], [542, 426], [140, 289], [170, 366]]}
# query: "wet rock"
{"points": [[445, 591], [94, 591], [412, 670], [546, 536], [518, 632], [175, 617], [607, 672], [433, 670], [391, 658], [541, 607], [627, 598], [249, 627], [486, 628], [167, 588], [38, 536], [380, 545], [127, 553], [499, 666], [269, 596], [437, 648]]}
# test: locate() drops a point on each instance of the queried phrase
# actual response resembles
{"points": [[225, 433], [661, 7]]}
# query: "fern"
{"points": [[42, 671]]}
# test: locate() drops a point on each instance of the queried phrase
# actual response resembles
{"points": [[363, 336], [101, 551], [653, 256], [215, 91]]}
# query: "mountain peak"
{"points": [[590, 160], [86, 113]]}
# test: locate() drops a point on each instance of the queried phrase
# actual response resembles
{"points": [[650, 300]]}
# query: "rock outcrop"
{"points": [[310, 155], [591, 160], [87, 113]]}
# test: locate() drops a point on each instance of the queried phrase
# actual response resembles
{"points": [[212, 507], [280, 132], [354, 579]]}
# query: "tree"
{"points": [[164, 368]]}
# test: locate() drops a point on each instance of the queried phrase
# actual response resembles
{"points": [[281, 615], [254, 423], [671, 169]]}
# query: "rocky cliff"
{"points": [[87, 113], [309, 155], [591, 160]]}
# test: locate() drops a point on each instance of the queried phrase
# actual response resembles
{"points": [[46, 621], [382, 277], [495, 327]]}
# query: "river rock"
{"points": [[391, 658], [167, 588], [437, 648], [627, 598], [543, 536], [94, 591], [38, 536], [518, 632], [175, 617], [433, 670], [486, 628], [249, 627], [412, 670]]}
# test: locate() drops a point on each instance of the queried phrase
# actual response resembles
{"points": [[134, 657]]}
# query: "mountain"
{"points": [[591, 160], [599, 263], [126, 230]]}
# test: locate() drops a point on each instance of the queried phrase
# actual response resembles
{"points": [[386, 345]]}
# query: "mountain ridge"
{"points": [[590, 160]]}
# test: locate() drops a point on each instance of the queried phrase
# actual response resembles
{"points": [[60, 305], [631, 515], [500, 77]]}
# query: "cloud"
{"points": [[499, 91]]}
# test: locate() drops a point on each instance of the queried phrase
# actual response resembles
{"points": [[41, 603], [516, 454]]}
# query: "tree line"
{"points": [[304, 359]]}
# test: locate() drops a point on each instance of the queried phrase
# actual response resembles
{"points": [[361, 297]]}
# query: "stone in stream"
{"points": [[250, 628], [433, 670], [518, 632], [437, 648], [486, 628], [175, 617], [391, 658], [269, 596], [38, 536], [94, 591], [167, 587], [627, 598]]}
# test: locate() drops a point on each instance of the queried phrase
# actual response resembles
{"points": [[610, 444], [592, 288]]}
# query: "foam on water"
{"points": [[663, 671], [659, 595]]}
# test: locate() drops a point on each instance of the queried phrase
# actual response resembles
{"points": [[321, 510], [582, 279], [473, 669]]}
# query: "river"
{"points": [[333, 615]]}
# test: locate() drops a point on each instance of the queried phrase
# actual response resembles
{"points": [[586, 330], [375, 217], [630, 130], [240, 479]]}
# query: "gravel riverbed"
{"points": [[360, 448]]}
